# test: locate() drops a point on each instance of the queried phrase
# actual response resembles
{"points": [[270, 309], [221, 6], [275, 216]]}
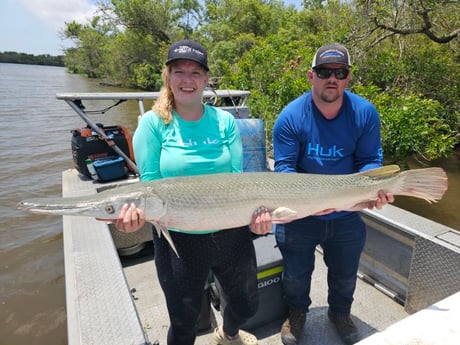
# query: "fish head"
{"points": [[104, 206], [109, 208]]}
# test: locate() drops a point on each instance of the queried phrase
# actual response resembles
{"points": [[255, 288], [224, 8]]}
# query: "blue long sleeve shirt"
{"points": [[305, 141]]}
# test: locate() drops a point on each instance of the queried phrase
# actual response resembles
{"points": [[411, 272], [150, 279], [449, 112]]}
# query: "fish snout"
{"points": [[22, 206]]}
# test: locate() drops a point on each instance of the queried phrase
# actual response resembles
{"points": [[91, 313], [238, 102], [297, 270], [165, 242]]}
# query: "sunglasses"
{"points": [[325, 73]]}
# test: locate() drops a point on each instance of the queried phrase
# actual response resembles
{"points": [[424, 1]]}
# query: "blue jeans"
{"points": [[342, 240]]}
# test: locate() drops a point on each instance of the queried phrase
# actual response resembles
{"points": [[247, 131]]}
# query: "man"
{"points": [[328, 130]]}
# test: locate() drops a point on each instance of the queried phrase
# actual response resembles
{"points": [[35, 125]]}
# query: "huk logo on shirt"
{"points": [[316, 151], [206, 141]]}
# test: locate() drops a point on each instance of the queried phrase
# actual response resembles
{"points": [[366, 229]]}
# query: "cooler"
{"points": [[269, 269], [110, 168], [87, 144]]}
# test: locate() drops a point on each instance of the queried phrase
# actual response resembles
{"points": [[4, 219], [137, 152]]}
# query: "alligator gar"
{"points": [[228, 200]]}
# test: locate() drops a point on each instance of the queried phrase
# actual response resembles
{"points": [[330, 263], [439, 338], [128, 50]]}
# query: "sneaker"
{"points": [[243, 338], [292, 327], [345, 327]]}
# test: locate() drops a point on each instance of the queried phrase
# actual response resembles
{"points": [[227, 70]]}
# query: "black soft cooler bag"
{"points": [[86, 143]]}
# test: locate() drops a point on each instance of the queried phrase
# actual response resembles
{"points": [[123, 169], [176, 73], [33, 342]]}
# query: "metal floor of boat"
{"points": [[372, 310]]}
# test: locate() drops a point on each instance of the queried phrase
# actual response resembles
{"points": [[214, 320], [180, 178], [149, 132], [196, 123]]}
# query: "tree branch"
{"points": [[426, 29]]}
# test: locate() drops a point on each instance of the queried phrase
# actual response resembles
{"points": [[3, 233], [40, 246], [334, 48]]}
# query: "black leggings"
{"points": [[230, 255]]}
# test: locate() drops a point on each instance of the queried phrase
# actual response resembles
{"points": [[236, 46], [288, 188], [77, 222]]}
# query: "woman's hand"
{"points": [[261, 222], [130, 218]]}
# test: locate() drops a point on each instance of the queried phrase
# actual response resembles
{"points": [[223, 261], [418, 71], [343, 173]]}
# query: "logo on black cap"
{"points": [[188, 50]]}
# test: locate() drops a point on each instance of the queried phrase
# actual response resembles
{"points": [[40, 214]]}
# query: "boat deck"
{"points": [[372, 310]]}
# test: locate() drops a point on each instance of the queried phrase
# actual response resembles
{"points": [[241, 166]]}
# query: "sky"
{"points": [[33, 26]]}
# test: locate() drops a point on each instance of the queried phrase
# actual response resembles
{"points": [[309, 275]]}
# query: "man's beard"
{"points": [[330, 95]]}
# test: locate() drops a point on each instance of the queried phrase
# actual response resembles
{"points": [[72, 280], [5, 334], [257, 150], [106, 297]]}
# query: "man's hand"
{"points": [[261, 222], [326, 211], [382, 200]]}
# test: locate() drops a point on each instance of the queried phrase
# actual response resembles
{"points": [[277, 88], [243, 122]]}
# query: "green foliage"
{"points": [[145, 17], [225, 54], [188, 13], [229, 18], [412, 125], [90, 39], [312, 4], [30, 59], [422, 67], [147, 77], [274, 76], [407, 55], [129, 54]]}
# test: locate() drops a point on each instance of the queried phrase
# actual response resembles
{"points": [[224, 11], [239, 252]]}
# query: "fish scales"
{"points": [[219, 201], [228, 200]]}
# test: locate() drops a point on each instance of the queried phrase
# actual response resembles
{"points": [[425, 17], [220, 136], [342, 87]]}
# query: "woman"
{"points": [[181, 136]]}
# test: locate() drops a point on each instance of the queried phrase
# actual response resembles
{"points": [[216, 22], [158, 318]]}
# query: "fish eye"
{"points": [[110, 209]]}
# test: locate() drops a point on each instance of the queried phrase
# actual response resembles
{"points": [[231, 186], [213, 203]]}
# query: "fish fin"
{"points": [[382, 171], [161, 229], [283, 215], [325, 211], [429, 184], [361, 206]]}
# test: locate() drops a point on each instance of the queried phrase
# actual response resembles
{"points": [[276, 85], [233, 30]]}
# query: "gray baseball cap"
{"points": [[331, 53]]}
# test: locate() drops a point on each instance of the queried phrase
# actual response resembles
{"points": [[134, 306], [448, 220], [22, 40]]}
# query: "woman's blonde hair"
{"points": [[165, 103]]}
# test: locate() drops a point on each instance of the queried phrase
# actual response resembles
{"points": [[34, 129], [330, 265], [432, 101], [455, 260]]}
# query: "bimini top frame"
{"points": [[230, 98]]}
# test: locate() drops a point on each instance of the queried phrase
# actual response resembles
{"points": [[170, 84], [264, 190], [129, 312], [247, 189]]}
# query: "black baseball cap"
{"points": [[331, 53], [188, 50]]}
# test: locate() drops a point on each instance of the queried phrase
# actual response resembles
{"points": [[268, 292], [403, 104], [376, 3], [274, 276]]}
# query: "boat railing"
{"points": [[412, 259], [220, 97], [231, 100]]}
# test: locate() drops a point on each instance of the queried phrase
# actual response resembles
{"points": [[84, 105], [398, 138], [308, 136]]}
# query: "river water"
{"points": [[34, 150]]}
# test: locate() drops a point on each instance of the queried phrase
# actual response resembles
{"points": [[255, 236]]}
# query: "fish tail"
{"points": [[429, 184]]}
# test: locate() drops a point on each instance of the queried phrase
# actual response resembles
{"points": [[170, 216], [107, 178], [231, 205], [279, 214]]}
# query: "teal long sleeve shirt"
{"points": [[209, 145]]}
